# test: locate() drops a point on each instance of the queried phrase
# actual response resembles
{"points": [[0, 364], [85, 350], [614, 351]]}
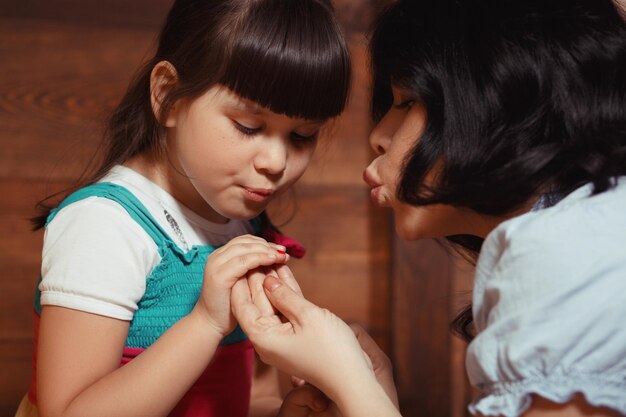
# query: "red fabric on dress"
{"points": [[294, 248], [223, 389]]}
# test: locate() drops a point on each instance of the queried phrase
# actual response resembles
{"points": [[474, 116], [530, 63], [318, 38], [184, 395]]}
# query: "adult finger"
{"points": [[379, 360], [297, 382], [291, 304], [377, 357], [285, 274], [304, 398]]}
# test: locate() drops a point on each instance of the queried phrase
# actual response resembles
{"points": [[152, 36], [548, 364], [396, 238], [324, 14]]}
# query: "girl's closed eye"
{"points": [[301, 138], [246, 129]]}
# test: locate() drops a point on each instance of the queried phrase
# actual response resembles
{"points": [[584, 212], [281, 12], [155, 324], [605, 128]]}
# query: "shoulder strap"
{"points": [[123, 197]]}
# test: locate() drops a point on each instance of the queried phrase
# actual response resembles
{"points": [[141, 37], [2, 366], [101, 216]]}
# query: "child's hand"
{"points": [[307, 401], [223, 268]]}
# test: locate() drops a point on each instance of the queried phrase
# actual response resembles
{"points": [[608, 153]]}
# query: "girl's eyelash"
{"points": [[245, 129], [296, 137], [304, 139]]}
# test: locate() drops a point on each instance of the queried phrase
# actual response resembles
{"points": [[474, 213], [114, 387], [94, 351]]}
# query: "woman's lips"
{"points": [[375, 195], [375, 185]]}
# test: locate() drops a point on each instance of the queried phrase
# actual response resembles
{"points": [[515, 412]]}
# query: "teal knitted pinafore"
{"points": [[172, 288]]}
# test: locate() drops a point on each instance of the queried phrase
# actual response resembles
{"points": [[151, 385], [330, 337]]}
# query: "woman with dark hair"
{"points": [[502, 127], [133, 313]]}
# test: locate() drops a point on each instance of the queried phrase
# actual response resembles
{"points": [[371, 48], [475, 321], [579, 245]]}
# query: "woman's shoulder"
{"points": [[577, 246], [579, 227], [549, 306]]}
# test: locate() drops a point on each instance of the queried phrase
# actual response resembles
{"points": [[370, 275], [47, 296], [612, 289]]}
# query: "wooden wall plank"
{"points": [[109, 13], [59, 83]]}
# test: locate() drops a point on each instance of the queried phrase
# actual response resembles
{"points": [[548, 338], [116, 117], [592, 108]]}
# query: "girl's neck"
{"points": [[160, 171]]}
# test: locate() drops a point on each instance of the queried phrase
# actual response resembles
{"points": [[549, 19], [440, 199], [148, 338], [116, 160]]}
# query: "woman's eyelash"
{"points": [[405, 104]]}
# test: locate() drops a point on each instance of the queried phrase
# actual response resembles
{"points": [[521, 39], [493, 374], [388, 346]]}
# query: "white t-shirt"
{"points": [[550, 306], [96, 257]]}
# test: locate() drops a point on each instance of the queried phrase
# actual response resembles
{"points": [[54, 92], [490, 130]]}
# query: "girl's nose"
{"points": [[272, 157]]}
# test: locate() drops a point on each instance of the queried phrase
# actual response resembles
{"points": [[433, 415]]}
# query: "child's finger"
{"points": [[244, 310], [242, 249], [238, 266], [259, 298]]}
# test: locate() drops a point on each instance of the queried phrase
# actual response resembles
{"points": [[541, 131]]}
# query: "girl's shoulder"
{"points": [[95, 258]]}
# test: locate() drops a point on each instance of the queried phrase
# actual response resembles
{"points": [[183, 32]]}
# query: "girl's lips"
{"points": [[258, 195]]}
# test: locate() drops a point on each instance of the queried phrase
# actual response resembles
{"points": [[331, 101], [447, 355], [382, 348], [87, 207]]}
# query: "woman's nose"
{"points": [[381, 135]]}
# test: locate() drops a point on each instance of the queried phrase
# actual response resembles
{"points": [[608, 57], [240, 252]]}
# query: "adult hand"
{"points": [[223, 268], [380, 362], [313, 344], [307, 401]]}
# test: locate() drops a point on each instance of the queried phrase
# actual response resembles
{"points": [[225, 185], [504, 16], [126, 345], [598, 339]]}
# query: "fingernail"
{"points": [[282, 252], [271, 283]]}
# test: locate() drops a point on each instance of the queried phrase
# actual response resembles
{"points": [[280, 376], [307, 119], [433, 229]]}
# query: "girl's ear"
{"points": [[162, 79]]}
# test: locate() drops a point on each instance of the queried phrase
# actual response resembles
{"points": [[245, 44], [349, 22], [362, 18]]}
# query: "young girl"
{"points": [[502, 125], [139, 260]]}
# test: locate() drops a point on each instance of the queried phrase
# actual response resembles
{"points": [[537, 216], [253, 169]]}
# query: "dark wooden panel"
{"points": [[59, 81], [421, 286], [15, 360], [19, 265], [110, 13]]}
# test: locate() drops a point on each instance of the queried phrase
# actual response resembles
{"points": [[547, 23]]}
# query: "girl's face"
{"points": [[393, 139], [230, 157]]}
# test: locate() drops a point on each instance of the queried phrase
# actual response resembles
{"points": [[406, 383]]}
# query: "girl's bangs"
{"points": [[298, 66]]}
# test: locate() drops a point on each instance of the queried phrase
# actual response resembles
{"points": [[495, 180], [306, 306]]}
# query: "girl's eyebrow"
{"points": [[244, 106]]}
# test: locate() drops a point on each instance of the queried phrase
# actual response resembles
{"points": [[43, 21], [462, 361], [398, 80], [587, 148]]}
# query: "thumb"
{"points": [[302, 400], [291, 304]]}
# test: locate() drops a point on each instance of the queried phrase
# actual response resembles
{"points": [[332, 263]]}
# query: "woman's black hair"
{"points": [[522, 98], [288, 56]]}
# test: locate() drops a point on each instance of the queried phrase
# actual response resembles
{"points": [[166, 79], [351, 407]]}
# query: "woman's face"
{"points": [[393, 139]]}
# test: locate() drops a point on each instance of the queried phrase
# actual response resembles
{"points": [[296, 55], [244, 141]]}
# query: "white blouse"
{"points": [[550, 306]]}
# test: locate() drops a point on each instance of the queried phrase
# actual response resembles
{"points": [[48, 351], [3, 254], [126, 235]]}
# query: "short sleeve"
{"points": [[96, 259], [550, 311]]}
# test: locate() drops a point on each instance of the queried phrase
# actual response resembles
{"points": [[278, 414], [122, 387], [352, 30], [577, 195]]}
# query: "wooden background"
{"points": [[63, 66]]}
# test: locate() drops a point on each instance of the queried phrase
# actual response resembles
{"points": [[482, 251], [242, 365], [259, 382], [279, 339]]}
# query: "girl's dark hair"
{"points": [[288, 56], [522, 98]]}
